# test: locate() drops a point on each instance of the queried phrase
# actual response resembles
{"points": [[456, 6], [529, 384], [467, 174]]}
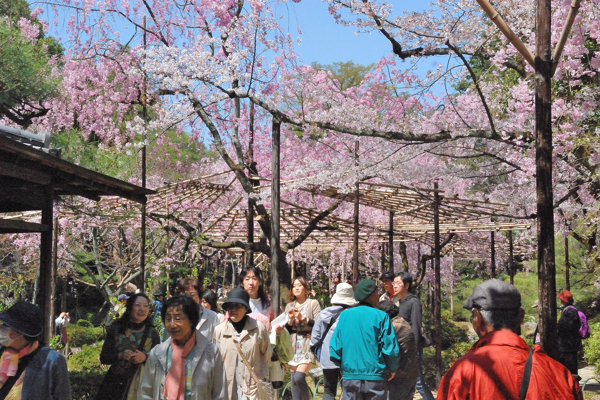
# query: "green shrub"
{"points": [[79, 335], [450, 355], [84, 385], [86, 360], [451, 333], [591, 347], [85, 323]]}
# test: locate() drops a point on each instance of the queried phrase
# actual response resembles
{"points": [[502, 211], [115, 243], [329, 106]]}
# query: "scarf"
{"points": [[239, 326], [10, 362], [175, 381]]}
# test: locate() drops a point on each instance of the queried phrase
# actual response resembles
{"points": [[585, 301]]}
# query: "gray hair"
{"points": [[502, 319]]}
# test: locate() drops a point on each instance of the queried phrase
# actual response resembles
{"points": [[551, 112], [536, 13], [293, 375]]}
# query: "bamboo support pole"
{"points": [[564, 34], [505, 29]]}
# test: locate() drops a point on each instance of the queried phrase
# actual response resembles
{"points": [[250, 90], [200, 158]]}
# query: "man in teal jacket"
{"points": [[364, 346]]}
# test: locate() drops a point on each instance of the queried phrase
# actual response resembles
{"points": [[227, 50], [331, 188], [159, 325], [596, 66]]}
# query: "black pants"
{"points": [[331, 377], [569, 360]]}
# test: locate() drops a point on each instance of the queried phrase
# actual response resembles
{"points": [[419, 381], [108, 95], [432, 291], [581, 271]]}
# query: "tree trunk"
{"points": [[438, 287], [275, 216], [545, 214]]}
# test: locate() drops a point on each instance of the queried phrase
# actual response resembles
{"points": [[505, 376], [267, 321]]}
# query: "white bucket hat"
{"points": [[344, 295]]}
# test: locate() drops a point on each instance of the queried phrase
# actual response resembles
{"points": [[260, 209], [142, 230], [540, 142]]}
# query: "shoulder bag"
{"points": [[264, 388]]}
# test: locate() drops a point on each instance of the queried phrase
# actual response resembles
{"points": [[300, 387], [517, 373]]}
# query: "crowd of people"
{"points": [[367, 343]]}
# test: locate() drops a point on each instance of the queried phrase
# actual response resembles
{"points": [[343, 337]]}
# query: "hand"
{"points": [[126, 355], [138, 357], [391, 376], [278, 329], [292, 316]]}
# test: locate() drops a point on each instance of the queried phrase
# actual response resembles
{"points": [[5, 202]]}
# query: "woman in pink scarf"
{"points": [[186, 366]]}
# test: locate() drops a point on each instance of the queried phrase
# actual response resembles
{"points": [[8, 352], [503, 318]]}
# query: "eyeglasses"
{"points": [[176, 320]]}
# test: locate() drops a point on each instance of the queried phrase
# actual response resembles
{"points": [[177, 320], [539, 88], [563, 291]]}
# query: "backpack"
{"points": [[584, 328]]}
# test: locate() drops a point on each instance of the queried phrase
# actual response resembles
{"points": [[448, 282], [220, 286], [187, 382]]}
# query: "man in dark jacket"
{"points": [[569, 339], [410, 308], [364, 345]]}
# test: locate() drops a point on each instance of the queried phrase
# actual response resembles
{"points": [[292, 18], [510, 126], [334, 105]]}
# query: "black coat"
{"points": [[569, 340]]}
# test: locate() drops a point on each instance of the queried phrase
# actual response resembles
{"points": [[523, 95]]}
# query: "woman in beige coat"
{"points": [[253, 339], [302, 313]]}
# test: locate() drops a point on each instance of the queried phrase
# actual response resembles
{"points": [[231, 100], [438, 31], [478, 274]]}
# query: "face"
{"points": [[299, 290], [399, 286], [193, 293], [205, 304], [140, 310], [11, 338], [387, 285], [251, 284], [178, 324], [236, 311]]}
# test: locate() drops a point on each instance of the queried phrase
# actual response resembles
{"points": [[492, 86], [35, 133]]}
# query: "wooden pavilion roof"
{"points": [[27, 175]]}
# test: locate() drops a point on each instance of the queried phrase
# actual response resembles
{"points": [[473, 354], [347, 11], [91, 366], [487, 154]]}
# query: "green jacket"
{"points": [[364, 344]]}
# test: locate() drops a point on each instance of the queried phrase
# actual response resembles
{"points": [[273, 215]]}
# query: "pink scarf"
{"points": [[175, 381], [10, 362]]}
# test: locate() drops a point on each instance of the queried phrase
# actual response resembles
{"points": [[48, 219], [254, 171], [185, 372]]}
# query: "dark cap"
{"points": [[158, 293], [494, 294], [387, 275], [237, 295], [364, 289], [25, 318]]}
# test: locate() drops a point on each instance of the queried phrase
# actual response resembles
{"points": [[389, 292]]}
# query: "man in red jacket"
{"points": [[495, 366]]}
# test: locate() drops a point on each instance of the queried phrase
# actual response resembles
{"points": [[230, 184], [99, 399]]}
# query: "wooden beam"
{"points": [[18, 226], [24, 174]]}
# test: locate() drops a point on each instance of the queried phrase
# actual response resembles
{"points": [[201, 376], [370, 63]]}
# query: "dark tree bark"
{"points": [[543, 158]]}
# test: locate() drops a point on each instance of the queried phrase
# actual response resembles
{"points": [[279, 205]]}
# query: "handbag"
{"points": [[264, 388], [118, 379]]}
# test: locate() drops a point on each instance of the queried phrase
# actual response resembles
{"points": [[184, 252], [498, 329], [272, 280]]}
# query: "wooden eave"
{"points": [[25, 171]]}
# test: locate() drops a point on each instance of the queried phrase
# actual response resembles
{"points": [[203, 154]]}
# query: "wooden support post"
{"points": [[143, 235], [251, 171], [493, 254], [438, 287], [511, 265], [53, 279], [355, 275], [543, 159], [45, 283], [275, 214], [391, 242], [567, 264]]}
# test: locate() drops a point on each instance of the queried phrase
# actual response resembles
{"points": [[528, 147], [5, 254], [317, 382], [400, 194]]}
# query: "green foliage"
{"points": [[450, 355], [591, 347], [86, 360], [84, 385], [25, 76], [15, 9], [89, 154], [85, 323], [348, 74], [79, 335]]}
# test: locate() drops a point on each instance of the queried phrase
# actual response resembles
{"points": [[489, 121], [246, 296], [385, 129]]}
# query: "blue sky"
{"points": [[325, 42]]}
